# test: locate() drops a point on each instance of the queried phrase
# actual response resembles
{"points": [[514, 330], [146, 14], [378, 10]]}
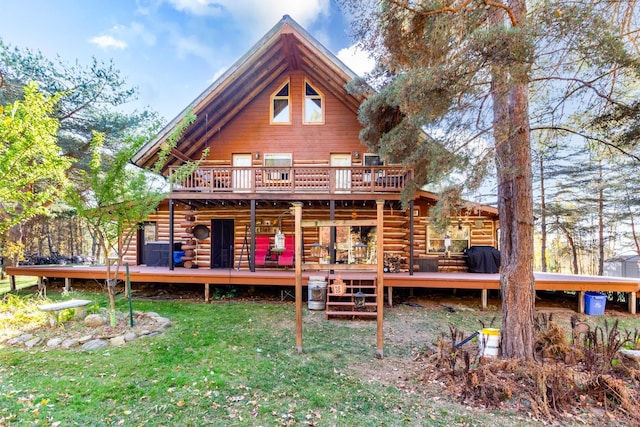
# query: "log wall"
{"points": [[269, 218]]}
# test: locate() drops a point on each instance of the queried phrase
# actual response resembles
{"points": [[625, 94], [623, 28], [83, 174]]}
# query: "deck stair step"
{"points": [[350, 313], [342, 305]]}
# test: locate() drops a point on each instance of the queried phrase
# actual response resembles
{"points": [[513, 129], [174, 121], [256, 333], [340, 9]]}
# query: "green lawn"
{"points": [[235, 364], [21, 282]]}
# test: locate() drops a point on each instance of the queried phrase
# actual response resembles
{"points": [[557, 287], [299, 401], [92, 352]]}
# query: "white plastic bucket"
{"points": [[489, 342]]}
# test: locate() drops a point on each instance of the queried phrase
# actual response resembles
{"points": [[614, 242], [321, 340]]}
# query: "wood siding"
{"points": [[396, 222], [250, 131]]}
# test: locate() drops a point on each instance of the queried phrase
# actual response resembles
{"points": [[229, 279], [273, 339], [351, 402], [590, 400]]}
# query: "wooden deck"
{"points": [[286, 278]]}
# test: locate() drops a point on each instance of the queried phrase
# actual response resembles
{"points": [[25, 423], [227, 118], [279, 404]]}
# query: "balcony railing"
{"points": [[299, 179]]}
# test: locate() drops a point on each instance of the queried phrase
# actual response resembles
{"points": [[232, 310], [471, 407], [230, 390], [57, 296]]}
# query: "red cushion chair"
{"points": [[262, 250], [286, 257]]}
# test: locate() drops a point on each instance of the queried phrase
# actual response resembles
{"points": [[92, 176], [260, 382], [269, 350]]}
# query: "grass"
{"points": [[21, 283], [235, 364]]}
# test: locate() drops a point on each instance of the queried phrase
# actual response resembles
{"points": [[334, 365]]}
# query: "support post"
{"points": [[411, 234], [380, 281], [485, 298], [171, 215], [332, 233], [206, 292], [67, 284], [581, 302], [12, 281], [298, 262], [252, 244], [632, 298]]}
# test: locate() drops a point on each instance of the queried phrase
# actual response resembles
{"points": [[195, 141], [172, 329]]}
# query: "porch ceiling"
{"points": [[278, 203]]}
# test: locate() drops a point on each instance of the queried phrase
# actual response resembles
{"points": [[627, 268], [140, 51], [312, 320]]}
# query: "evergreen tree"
{"points": [[463, 72]]}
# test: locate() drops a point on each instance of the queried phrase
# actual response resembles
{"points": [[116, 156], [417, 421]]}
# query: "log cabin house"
{"points": [[280, 127], [282, 135]]}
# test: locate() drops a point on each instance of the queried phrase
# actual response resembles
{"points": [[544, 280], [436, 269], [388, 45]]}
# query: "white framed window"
{"points": [[313, 105], [459, 237], [369, 159], [281, 105], [278, 165]]}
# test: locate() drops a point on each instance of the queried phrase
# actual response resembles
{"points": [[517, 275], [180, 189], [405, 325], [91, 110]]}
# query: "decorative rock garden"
{"points": [[91, 333]]}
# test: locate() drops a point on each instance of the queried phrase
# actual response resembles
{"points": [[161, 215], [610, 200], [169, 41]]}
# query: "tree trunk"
{"points": [[574, 253], [510, 98]]}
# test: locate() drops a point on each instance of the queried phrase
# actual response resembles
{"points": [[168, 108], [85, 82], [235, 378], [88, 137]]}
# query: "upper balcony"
{"points": [[296, 180]]}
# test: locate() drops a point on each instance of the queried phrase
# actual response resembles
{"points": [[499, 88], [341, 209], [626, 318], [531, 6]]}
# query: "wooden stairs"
{"points": [[343, 304]]}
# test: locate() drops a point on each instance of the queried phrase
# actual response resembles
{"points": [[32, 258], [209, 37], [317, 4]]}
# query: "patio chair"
{"points": [[262, 250], [286, 257]]}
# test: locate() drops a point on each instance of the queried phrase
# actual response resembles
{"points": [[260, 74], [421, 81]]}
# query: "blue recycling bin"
{"points": [[177, 256], [594, 303]]}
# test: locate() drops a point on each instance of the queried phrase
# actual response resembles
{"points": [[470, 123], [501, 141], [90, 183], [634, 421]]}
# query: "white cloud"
{"points": [[122, 36], [190, 45], [107, 42], [257, 16], [198, 7], [357, 59]]}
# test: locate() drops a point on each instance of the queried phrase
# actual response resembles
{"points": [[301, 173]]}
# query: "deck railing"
{"points": [[299, 179]]}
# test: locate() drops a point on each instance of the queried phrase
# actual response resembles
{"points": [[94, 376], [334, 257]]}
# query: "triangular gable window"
{"points": [[313, 105], [281, 105]]}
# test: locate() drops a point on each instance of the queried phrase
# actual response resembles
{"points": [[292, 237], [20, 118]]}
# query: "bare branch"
{"points": [[455, 9], [589, 137]]}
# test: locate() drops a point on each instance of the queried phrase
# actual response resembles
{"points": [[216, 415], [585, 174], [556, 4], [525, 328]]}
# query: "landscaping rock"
{"points": [[33, 342], [117, 341], [130, 336], [94, 345], [20, 340], [94, 321], [69, 342], [54, 342], [85, 339]]}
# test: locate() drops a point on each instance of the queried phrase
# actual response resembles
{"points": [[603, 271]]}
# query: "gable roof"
{"points": [[286, 47]]}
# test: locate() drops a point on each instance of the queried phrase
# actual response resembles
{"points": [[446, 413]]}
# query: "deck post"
{"points": [[581, 302], [411, 226], [485, 298], [67, 284], [206, 292], [297, 206], [332, 234], [632, 298], [252, 243], [171, 217], [12, 281], [380, 277]]}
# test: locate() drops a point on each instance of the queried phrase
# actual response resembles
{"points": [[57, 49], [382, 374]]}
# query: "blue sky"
{"points": [[171, 50]]}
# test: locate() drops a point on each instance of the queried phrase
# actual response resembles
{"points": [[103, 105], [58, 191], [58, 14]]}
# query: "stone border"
{"points": [[93, 340]]}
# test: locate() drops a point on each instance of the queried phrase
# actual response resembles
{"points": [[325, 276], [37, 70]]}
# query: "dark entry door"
{"points": [[222, 243], [146, 233]]}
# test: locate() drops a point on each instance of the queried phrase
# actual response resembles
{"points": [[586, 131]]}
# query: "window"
{"points": [[372, 160], [313, 111], [280, 105], [150, 232], [278, 165], [459, 240]]}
